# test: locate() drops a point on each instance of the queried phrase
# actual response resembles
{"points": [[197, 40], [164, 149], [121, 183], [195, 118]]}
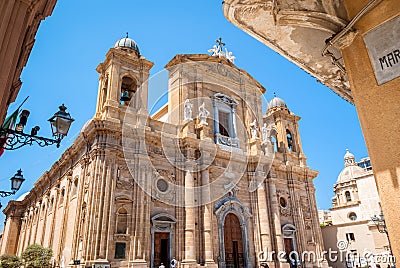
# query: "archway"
{"points": [[232, 216], [233, 242], [162, 234]]}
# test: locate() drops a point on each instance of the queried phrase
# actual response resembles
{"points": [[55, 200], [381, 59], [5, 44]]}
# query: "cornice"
{"points": [[187, 58], [118, 55], [71, 157]]}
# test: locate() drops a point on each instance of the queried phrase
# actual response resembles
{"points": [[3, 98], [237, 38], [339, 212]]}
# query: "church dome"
{"points": [[128, 43], [276, 102], [349, 173], [351, 169]]}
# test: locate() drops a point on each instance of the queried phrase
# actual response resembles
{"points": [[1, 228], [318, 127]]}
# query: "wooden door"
{"points": [[234, 257], [161, 249]]}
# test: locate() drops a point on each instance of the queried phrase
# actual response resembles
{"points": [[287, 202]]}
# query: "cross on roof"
{"points": [[219, 42]]}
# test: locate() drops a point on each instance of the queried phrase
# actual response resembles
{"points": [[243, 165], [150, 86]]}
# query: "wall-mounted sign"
{"points": [[383, 45]]}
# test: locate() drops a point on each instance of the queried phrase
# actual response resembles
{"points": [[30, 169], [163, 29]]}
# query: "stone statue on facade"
{"points": [[229, 56], [254, 130], [203, 114], [218, 52], [265, 133], [187, 113]]}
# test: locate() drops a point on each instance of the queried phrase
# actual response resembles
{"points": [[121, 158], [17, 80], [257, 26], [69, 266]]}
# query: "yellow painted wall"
{"points": [[378, 109]]}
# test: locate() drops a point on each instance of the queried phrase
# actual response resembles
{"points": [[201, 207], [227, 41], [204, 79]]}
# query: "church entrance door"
{"points": [[289, 249], [233, 242], [161, 249]]}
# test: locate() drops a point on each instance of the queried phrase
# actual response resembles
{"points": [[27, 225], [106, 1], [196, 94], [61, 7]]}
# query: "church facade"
{"points": [[351, 228], [208, 179]]}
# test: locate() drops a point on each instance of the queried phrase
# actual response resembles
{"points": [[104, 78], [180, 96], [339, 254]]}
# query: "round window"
{"points": [[352, 216], [162, 185], [282, 202]]}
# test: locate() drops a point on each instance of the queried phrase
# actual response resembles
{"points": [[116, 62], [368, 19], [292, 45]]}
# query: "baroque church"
{"points": [[350, 222], [208, 179]]}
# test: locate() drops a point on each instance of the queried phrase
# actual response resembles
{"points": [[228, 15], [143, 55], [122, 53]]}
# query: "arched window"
{"points": [[74, 187], [51, 203], [122, 221], [282, 202], [62, 195], [42, 212], [352, 216], [274, 143], [104, 91], [289, 138], [348, 196], [128, 88]]}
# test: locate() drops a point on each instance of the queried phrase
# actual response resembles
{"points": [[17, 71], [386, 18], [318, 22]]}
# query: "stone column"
{"points": [[207, 220], [190, 219], [276, 217], [107, 208], [80, 195], [264, 219], [11, 232]]}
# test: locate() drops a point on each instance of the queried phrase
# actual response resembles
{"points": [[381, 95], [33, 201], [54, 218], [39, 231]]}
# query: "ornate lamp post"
{"points": [[16, 182], [15, 138], [380, 223]]}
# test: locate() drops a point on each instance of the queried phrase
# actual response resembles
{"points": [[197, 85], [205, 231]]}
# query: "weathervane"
{"points": [[217, 51]]}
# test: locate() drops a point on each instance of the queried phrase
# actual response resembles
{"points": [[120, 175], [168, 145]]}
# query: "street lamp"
{"points": [[380, 223], [16, 182], [60, 123], [15, 138]]}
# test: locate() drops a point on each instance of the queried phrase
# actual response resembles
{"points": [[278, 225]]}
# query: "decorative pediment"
{"points": [[163, 222], [163, 217], [225, 99], [123, 199], [288, 230]]}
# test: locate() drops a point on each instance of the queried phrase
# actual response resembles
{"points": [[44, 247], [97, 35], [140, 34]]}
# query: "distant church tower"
{"points": [[123, 81], [290, 185]]}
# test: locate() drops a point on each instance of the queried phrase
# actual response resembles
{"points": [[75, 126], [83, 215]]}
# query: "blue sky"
{"points": [[74, 40]]}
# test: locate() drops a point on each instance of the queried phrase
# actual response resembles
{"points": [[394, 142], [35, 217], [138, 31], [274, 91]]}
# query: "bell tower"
{"points": [[286, 138], [123, 81]]}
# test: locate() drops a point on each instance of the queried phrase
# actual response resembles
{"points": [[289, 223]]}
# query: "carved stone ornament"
{"points": [[121, 237], [286, 212], [124, 184], [305, 206]]}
